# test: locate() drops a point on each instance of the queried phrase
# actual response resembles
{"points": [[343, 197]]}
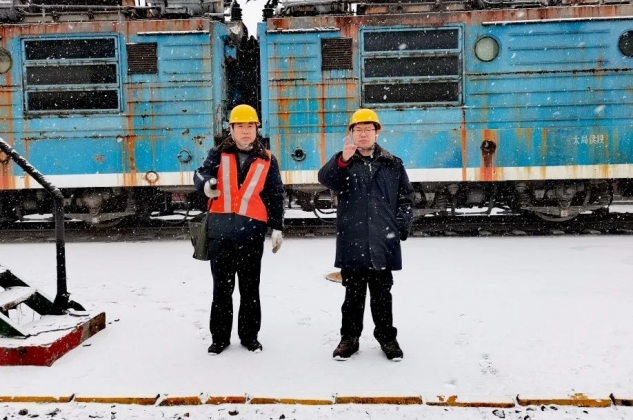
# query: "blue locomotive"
{"points": [[515, 104], [520, 105], [116, 103]]}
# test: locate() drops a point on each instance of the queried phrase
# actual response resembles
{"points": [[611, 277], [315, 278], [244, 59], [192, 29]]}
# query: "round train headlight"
{"points": [[486, 48], [626, 43], [5, 61]]}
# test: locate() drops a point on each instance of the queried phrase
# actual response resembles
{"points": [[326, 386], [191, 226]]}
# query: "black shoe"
{"points": [[392, 350], [346, 348], [217, 348], [253, 345]]}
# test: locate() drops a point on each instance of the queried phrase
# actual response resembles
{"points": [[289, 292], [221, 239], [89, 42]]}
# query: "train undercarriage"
{"points": [[552, 201], [102, 207]]}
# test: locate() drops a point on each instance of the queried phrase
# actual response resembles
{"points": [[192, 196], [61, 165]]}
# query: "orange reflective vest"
{"points": [[244, 201]]}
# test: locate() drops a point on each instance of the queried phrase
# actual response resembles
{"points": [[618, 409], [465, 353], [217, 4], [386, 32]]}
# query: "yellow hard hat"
{"points": [[243, 114], [364, 115]]}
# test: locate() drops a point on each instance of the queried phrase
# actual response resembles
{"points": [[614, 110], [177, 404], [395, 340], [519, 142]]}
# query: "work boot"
{"points": [[253, 345], [217, 348], [346, 348], [392, 350]]}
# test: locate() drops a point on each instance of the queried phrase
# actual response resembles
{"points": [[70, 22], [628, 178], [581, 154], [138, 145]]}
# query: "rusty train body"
{"points": [[520, 105]]}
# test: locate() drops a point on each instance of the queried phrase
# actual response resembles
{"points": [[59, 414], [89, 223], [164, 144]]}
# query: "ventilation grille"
{"points": [[336, 54], [142, 58]]}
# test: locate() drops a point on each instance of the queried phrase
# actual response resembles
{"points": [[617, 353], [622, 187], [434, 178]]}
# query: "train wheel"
{"points": [[107, 225], [554, 219]]}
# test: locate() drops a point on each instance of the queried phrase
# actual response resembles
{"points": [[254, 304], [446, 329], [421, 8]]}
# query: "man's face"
{"points": [[244, 134], [364, 135]]}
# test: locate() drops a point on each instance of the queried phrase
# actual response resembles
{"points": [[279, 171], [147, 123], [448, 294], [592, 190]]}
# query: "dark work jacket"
{"points": [[233, 226], [374, 209]]}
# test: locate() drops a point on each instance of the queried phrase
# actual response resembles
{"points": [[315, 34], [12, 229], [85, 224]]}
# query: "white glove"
{"points": [[277, 240], [209, 191]]}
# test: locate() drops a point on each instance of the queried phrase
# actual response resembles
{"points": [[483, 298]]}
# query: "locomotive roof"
{"points": [[325, 7]]}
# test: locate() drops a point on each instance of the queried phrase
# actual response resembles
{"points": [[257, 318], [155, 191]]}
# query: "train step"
{"points": [[49, 336], [54, 323], [13, 296], [14, 292]]}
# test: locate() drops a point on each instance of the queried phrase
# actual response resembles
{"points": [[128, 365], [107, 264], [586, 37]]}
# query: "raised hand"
{"points": [[348, 149]]}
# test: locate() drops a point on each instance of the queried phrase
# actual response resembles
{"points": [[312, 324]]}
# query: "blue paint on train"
{"points": [[543, 121], [558, 94], [154, 117]]}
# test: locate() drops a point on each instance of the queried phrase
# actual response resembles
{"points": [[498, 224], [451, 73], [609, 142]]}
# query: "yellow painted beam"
{"points": [[36, 399], [237, 399], [299, 401], [578, 399], [475, 401], [402, 400], [175, 401], [118, 400]]}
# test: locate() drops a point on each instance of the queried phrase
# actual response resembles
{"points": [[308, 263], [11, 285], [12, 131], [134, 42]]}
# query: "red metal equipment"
{"points": [[64, 324]]}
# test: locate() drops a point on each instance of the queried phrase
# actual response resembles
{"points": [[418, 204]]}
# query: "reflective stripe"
{"points": [[250, 188], [244, 200], [226, 182]]}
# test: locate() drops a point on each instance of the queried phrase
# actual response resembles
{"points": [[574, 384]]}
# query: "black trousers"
{"points": [[356, 282], [227, 259]]}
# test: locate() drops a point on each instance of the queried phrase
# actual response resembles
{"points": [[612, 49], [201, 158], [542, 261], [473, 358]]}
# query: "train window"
{"points": [[415, 92], [411, 67], [80, 99], [626, 43], [425, 39], [486, 49], [71, 75], [67, 49]]}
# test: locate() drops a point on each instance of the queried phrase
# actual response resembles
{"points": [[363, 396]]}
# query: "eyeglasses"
{"points": [[245, 127], [364, 130]]}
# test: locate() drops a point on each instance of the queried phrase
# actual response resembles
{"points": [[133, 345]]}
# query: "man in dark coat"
{"points": [[243, 183], [373, 216]]}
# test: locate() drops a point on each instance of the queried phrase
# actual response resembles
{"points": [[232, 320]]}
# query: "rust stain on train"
{"points": [[129, 161], [464, 146], [26, 153], [7, 181], [528, 138], [604, 171], [487, 171], [128, 168], [322, 112], [438, 18], [127, 141], [276, 71], [128, 27], [543, 168], [152, 128], [284, 121], [277, 150]]}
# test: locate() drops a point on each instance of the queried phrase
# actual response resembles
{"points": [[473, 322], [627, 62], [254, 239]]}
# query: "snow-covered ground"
{"points": [[483, 317]]}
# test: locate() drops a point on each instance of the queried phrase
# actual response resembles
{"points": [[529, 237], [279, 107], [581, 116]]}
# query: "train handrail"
{"points": [[62, 299]]}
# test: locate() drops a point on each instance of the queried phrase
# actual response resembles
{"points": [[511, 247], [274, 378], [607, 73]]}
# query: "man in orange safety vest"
{"points": [[243, 183]]}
